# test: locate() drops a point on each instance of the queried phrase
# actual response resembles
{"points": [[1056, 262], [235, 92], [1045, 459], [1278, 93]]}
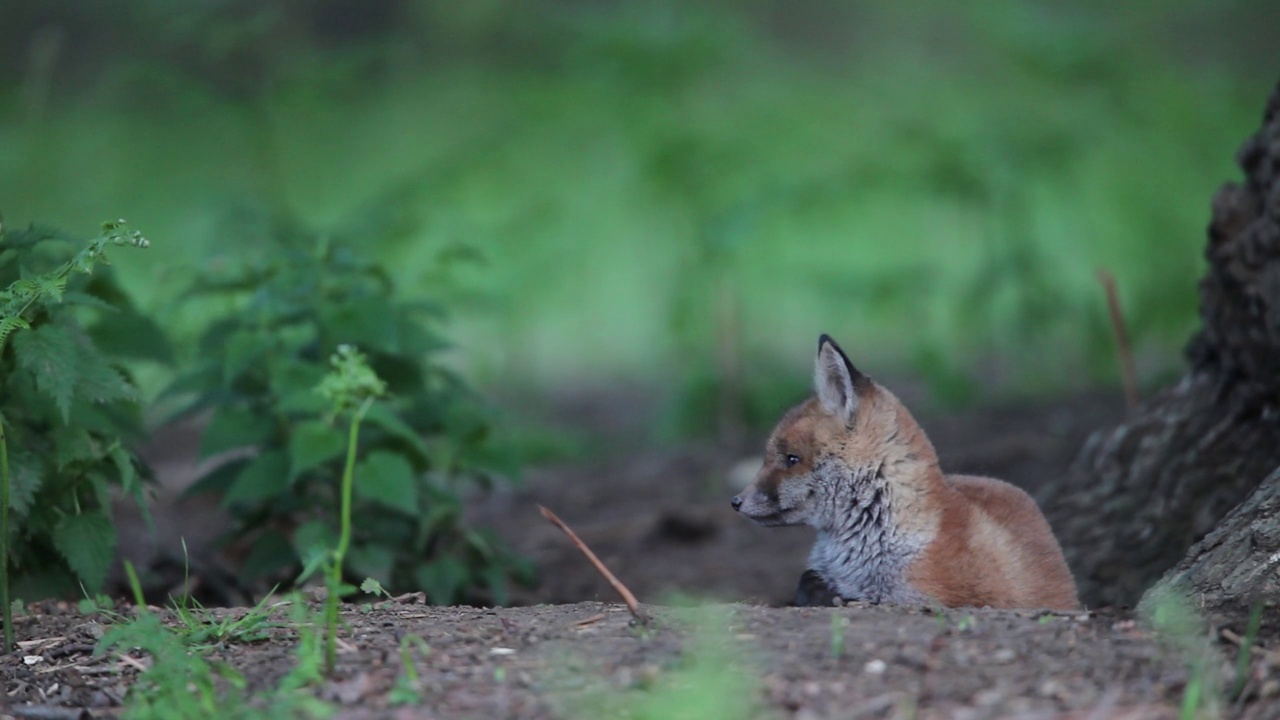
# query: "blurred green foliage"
{"points": [[679, 195], [288, 305], [68, 406]]}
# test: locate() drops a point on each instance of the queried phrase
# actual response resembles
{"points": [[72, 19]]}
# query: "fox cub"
{"points": [[853, 463]]}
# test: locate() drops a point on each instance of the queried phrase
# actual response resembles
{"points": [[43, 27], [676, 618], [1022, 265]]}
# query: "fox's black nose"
{"points": [[736, 502]]}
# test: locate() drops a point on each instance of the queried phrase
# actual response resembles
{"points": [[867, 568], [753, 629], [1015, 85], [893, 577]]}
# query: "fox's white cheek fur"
{"points": [[792, 494]]}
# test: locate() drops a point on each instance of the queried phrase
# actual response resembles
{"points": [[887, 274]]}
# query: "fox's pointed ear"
{"points": [[836, 381]]}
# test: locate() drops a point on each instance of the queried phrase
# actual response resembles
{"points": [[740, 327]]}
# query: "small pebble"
{"points": [[987, 698], [1051, 688], [875, 667]]}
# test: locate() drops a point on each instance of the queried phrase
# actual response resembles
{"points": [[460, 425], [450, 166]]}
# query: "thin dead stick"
{"points": [[1235, 639], [632, 604], [1127, 370]]}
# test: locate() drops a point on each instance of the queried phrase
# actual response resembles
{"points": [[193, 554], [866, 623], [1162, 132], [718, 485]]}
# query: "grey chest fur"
{"points": [[859, 554]]}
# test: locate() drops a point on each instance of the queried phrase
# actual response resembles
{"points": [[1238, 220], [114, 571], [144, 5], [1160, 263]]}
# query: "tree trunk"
{"points": [[1142, 493], [1238, 564]]}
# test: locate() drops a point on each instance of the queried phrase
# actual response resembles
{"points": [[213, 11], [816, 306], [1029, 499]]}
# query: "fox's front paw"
{"points": [[813, 591]]}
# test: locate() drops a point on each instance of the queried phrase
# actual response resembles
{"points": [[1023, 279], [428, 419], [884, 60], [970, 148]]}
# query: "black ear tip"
{"points": [[824, 340]]}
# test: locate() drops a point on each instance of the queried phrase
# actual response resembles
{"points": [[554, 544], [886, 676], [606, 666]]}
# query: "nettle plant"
{"points": [[67, 405], [291, 307]]}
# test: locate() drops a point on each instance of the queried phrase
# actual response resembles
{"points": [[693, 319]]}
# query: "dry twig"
{"points": [[1234, 638], [1128, 371], [632, 604], [48, 712]]}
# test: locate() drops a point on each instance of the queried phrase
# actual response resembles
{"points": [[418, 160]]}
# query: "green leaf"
{"points": [[312, 537], [294, 383], [75, 297], [495, 576], [130, 483], [367, 322], [265, 477], [371, 586], [416, 340], [522, 569], [52, 579], [479, 542], [100, 483], [313, 443], [270, 552], [96, 379], [130, 335], [442, 514], [442, 579], [240, 351], [312, 561], [8, 325], [382, 416], [51, 287], [372, 561], [234, 427], [49, 353], [202, 376], [219, 479], [88, 543], [26, 475], [387, 478], [73, 444], [304, 403]]}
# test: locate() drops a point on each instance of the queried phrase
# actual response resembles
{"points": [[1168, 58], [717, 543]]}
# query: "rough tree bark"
{"points": [[1140, 494], [1238, 563]]}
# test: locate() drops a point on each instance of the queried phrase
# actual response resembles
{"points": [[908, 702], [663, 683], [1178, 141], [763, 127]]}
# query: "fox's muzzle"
{"points": [[751, 502], [758, 506]]}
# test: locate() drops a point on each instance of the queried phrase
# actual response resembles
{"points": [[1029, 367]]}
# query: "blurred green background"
{"points": [[670, 198]]}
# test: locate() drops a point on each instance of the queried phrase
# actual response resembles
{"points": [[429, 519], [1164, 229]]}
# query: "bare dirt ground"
{"points": [[590, 660], [661, 520], [565, 660]]}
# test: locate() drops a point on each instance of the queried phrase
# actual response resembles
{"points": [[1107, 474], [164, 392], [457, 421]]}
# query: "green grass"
{"points": [[1244, 657], [935, 187], [198, 627], [1184, 632], [708, 680], [181, 682], [407, 688]]}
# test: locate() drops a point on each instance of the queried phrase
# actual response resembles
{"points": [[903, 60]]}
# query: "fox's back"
{"points": [[994, 547]]}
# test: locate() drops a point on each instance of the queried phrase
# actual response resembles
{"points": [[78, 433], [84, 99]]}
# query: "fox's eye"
{"points": [[790, 460]]}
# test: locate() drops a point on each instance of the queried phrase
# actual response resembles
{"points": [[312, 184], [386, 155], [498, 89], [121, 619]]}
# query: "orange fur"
{"points": [[993, 548], [853, 463]]}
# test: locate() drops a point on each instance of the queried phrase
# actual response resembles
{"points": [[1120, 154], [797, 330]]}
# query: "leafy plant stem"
{"points": [[344, 539], [1190, 700], [135, 586], [5, 609]]}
